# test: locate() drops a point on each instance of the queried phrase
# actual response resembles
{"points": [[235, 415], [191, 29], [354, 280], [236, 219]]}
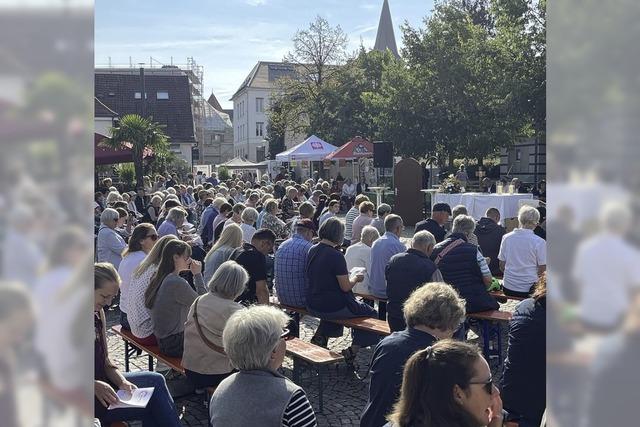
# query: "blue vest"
{"points": [[460, 269]]}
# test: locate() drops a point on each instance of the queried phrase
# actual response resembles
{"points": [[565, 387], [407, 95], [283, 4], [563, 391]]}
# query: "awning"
{"points": [[110, 156], [240, 163], [356, 148], [312, 149]]}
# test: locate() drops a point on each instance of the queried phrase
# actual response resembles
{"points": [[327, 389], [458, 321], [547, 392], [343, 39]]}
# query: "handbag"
{"points": [[209, 344]]}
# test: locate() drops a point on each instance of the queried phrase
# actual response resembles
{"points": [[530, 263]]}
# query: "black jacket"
{"points": [[524, 378], [405, 272], [460, 269], [489, 235], [432, 227]]}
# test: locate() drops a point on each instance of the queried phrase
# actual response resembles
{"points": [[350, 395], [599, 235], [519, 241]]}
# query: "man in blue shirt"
{"points": [[381, 252], [290, 278], [432, 312]]}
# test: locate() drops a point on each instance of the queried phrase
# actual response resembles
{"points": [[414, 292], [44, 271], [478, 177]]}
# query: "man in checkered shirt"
{"points": [[290, 263]]}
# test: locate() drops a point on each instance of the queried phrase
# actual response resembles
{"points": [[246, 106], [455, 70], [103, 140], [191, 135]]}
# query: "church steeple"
{"points": [[386, 39]]}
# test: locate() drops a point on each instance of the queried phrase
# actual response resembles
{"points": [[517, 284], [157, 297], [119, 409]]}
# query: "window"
{"points": [[518, 154], [259, 105], [162, 95], [138, 95], [259, 128]]}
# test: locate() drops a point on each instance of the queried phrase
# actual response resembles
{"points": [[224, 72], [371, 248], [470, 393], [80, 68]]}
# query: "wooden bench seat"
{"points": [[370, 324], [131, 343], [501, 294], [299, 350], [491, 324]]}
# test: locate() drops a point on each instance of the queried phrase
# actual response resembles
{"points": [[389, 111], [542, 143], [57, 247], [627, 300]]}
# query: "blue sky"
{"points": [[229, 37]]}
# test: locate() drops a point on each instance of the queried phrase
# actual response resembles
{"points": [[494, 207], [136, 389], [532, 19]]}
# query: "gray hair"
{"points": [[109, 214], [423, 239], [392, 221], [459, 210], [249, 216], [271, 205], [383, 209], [369, 235], [113, 197], [229, 281], [332, 229], [615, 217], [250, 336], [217, 202], [176, 214], [463, 224], [528, 217], [435, 305], [156, 198]]}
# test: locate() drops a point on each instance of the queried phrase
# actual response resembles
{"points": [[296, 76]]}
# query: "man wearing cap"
{"points": [[289, 276], [434, 225]]}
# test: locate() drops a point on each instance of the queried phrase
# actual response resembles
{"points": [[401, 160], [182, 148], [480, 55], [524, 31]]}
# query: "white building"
{"points": [[250, 103]]}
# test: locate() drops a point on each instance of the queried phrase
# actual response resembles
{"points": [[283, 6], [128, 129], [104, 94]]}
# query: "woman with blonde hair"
{"points": [[230, 239], [138, 315]]}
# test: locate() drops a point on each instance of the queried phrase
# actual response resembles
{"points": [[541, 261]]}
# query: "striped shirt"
{"points": [[299, 412], [348, 222]]}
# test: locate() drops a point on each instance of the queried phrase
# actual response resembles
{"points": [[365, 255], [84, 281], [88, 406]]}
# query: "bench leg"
{"points": [[296, 370], [150, 363], [486, 339], [499, 341], [382, 310], [320, 387], [126, 355]]}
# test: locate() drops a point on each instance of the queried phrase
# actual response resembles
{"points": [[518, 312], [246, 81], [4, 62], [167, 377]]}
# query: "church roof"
{"points": [[386, 39]]}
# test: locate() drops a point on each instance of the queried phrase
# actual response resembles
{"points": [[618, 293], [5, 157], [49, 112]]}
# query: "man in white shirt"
{"points": [[607, 271], [359, 255], [523, 255]]}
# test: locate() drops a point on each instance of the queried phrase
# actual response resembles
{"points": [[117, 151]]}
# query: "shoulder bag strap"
{"points": [[448, 249], [199, 329]]}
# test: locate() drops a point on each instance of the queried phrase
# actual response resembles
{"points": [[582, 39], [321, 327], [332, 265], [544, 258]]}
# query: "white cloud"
{"points": [[255, 2]]}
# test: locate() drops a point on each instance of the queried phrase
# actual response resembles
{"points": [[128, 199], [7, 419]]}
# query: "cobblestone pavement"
{"points": [[344, 395]]}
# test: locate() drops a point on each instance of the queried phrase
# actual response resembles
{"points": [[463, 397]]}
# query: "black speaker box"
{"points": [[382, 154]]}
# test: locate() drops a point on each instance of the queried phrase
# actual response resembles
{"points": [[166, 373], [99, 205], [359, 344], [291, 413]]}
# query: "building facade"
{"points": [[250, 104], [526, 160]]}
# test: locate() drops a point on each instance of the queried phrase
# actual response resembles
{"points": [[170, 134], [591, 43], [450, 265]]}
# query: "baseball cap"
{"points": [[442, 207], [307, 223]]}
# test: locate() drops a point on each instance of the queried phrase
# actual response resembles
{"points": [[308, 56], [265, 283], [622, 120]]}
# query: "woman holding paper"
{"points": [[160, 410]]}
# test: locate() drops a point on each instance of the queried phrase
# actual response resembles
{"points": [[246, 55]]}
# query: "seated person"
{"points": [[524, 377], [271, 222], [290, 279], [462, 210], [160, 411], [203, 358], [229, 241], [288, 205], [332, 210], [252, 257], [329, 296], [359, 255], [489, 233], [383, 210], [382, 250], [464, 267], [435, 225], [169, 296], [258, 395], [407, 271], [432, 312], [366, 216], [523, 255], [451, 382]]}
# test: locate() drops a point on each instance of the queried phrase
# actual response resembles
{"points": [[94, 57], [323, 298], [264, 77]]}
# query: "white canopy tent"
{"points": [[312, 149], [238, 163]]}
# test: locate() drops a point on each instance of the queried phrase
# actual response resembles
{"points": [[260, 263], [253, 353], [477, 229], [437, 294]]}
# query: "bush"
{"points": [[127, 173], [223, 173]]}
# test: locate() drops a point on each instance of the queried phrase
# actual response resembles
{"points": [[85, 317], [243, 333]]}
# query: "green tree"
{"points": [[139, 134]]}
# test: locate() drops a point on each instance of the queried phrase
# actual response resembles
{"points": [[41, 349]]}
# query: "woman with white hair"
{"points": [[109, 244], [523, 255], [203, 358], [230, 239], [153, 210], [359, 255], [174, 220], [249, 217], [113, 197], [254, 340]]}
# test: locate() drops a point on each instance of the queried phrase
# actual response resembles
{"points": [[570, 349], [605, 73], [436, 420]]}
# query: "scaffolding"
{"points": [[203, 113]]}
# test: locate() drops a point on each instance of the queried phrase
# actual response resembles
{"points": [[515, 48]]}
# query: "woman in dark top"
{"points": [[160, 411], [329, 295], [447, 385]]}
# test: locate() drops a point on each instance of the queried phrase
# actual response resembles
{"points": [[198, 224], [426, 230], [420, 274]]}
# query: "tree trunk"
{"points": [[137, 164], [480, 161]]}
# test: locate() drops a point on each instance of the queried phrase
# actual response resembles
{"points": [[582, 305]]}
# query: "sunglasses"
{"points": [[153, 237], [487, 385]]}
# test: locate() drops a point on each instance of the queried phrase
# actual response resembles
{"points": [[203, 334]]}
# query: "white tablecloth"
{"points": [[478, 203]]}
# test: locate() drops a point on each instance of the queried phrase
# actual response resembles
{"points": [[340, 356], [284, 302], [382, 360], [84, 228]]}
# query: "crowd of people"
{"points": [[196, 265]]}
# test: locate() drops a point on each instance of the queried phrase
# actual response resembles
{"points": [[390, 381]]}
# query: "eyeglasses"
{"points": [[285, 335], [487, 385], [153, 237]]}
